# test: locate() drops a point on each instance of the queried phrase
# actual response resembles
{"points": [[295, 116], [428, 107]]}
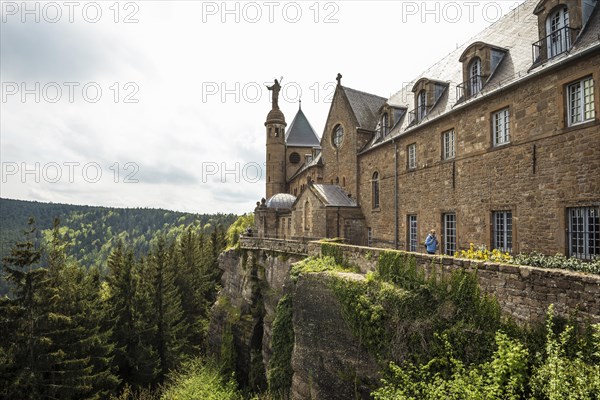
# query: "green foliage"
{"points": [[92, 232], [280, 371], [333, 250], [396, 313], [52, 343], [558, 261], [318, 264], [238, 228], [500, 378], [534, 259], [509, 374], [197, 379]]}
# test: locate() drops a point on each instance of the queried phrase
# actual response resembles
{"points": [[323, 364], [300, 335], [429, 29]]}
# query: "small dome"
{"points": [[281, 200]]}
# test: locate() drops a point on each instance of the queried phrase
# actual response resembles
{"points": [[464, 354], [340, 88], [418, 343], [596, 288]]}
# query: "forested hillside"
{"points": [[75, 332], [92, 231]]}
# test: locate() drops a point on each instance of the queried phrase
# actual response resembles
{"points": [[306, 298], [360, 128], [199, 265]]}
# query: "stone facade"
{"points": [[473, 180]]}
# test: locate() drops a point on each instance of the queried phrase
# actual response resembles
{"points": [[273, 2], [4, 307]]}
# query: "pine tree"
{"points": [[170, 326], [79, 341], [127, 313], [194, 285], [27, 323]]}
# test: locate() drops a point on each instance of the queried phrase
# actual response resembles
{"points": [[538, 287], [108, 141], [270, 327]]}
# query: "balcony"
{"points": [[556, 43], [470, 88], [415, 116]]}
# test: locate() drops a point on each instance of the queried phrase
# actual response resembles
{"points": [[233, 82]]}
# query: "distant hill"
{"points": [[93, 230]]}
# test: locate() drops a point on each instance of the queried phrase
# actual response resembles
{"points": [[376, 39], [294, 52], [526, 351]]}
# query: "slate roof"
{"points": [[315, 161], [332, 195], [301, 133], [365, 107], [515, 32]]}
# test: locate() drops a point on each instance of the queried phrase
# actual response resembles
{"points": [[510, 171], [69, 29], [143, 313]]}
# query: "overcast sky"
{"points": [[162, 104]]}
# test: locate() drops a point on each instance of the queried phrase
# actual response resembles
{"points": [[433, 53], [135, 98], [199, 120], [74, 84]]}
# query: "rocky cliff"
{"points": [[327, 360]]}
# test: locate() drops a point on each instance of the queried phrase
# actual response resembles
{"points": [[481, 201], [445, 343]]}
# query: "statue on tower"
{"points": [[275, 89]]}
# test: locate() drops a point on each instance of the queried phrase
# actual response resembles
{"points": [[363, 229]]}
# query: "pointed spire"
{"points": [[339, 78]]}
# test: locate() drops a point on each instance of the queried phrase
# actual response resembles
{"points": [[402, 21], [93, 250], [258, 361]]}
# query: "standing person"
{"points": [[431, 243]]}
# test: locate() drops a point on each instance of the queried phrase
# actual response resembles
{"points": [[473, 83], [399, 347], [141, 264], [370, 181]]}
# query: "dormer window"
{"points": [[427, 94], [557, 27], [559, 22], [475, 81], [480, 61]]}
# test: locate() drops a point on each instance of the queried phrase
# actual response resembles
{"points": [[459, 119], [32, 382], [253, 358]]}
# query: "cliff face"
{"points": [[327, 361]]}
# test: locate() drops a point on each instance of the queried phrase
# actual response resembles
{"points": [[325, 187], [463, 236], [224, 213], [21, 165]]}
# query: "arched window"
{"points": [[375, 189], [343, 181], [307, 216], [557, 29], [338, 136], [475, 82], [421, 105], [337, 180]]}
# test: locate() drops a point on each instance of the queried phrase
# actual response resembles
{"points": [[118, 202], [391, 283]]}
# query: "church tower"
{"points": [[275, 161]]}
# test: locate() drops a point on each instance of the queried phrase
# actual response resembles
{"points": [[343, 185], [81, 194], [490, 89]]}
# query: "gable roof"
{"points": [[301, 133], [365, 107], [515, 32], [316, 161]]}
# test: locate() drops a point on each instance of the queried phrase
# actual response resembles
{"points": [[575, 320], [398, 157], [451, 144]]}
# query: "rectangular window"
{"points": [[448, 145], [502, 234], [449, 233], [412, 156], [501, 127], [580, 98], [412, 233], [584, 232], [369, 237]]}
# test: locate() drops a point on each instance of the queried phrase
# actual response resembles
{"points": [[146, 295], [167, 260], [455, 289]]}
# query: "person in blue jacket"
{"points": [[431, 243]]}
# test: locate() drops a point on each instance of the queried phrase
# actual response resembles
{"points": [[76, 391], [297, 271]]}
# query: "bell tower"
{"points": [[275, 157]]}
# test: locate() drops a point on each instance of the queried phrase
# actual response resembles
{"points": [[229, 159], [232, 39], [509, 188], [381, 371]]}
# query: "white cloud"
{"points": [[199, 86]]}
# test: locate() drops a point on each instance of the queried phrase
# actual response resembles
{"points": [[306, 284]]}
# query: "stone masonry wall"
{"points": [[545, 169], [523, 292]]}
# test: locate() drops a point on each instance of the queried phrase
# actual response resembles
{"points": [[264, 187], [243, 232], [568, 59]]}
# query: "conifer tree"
{"points": [[82, 346], [127, 312], [194, 284], [167, 313], [26, 323]]}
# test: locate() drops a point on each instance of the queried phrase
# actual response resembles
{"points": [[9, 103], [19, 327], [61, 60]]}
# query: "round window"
{"points": [[338, 136], [294, 158]]}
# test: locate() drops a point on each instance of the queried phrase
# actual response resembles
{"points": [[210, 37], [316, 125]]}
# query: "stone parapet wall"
{"points": [[278, 245], [523, 292]]}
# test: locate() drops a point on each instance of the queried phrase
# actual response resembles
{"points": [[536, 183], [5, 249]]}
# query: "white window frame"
{"points": [[412, 222], [502, 234], [580, 101], [449, 144], [449, 233], [475, 83], [421, 105], [411, 151], [557, 32], [583, 233], [375, 190], [501, 127]]}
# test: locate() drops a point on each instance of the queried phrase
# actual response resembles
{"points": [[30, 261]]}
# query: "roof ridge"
{"points": [[362, 92]]}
